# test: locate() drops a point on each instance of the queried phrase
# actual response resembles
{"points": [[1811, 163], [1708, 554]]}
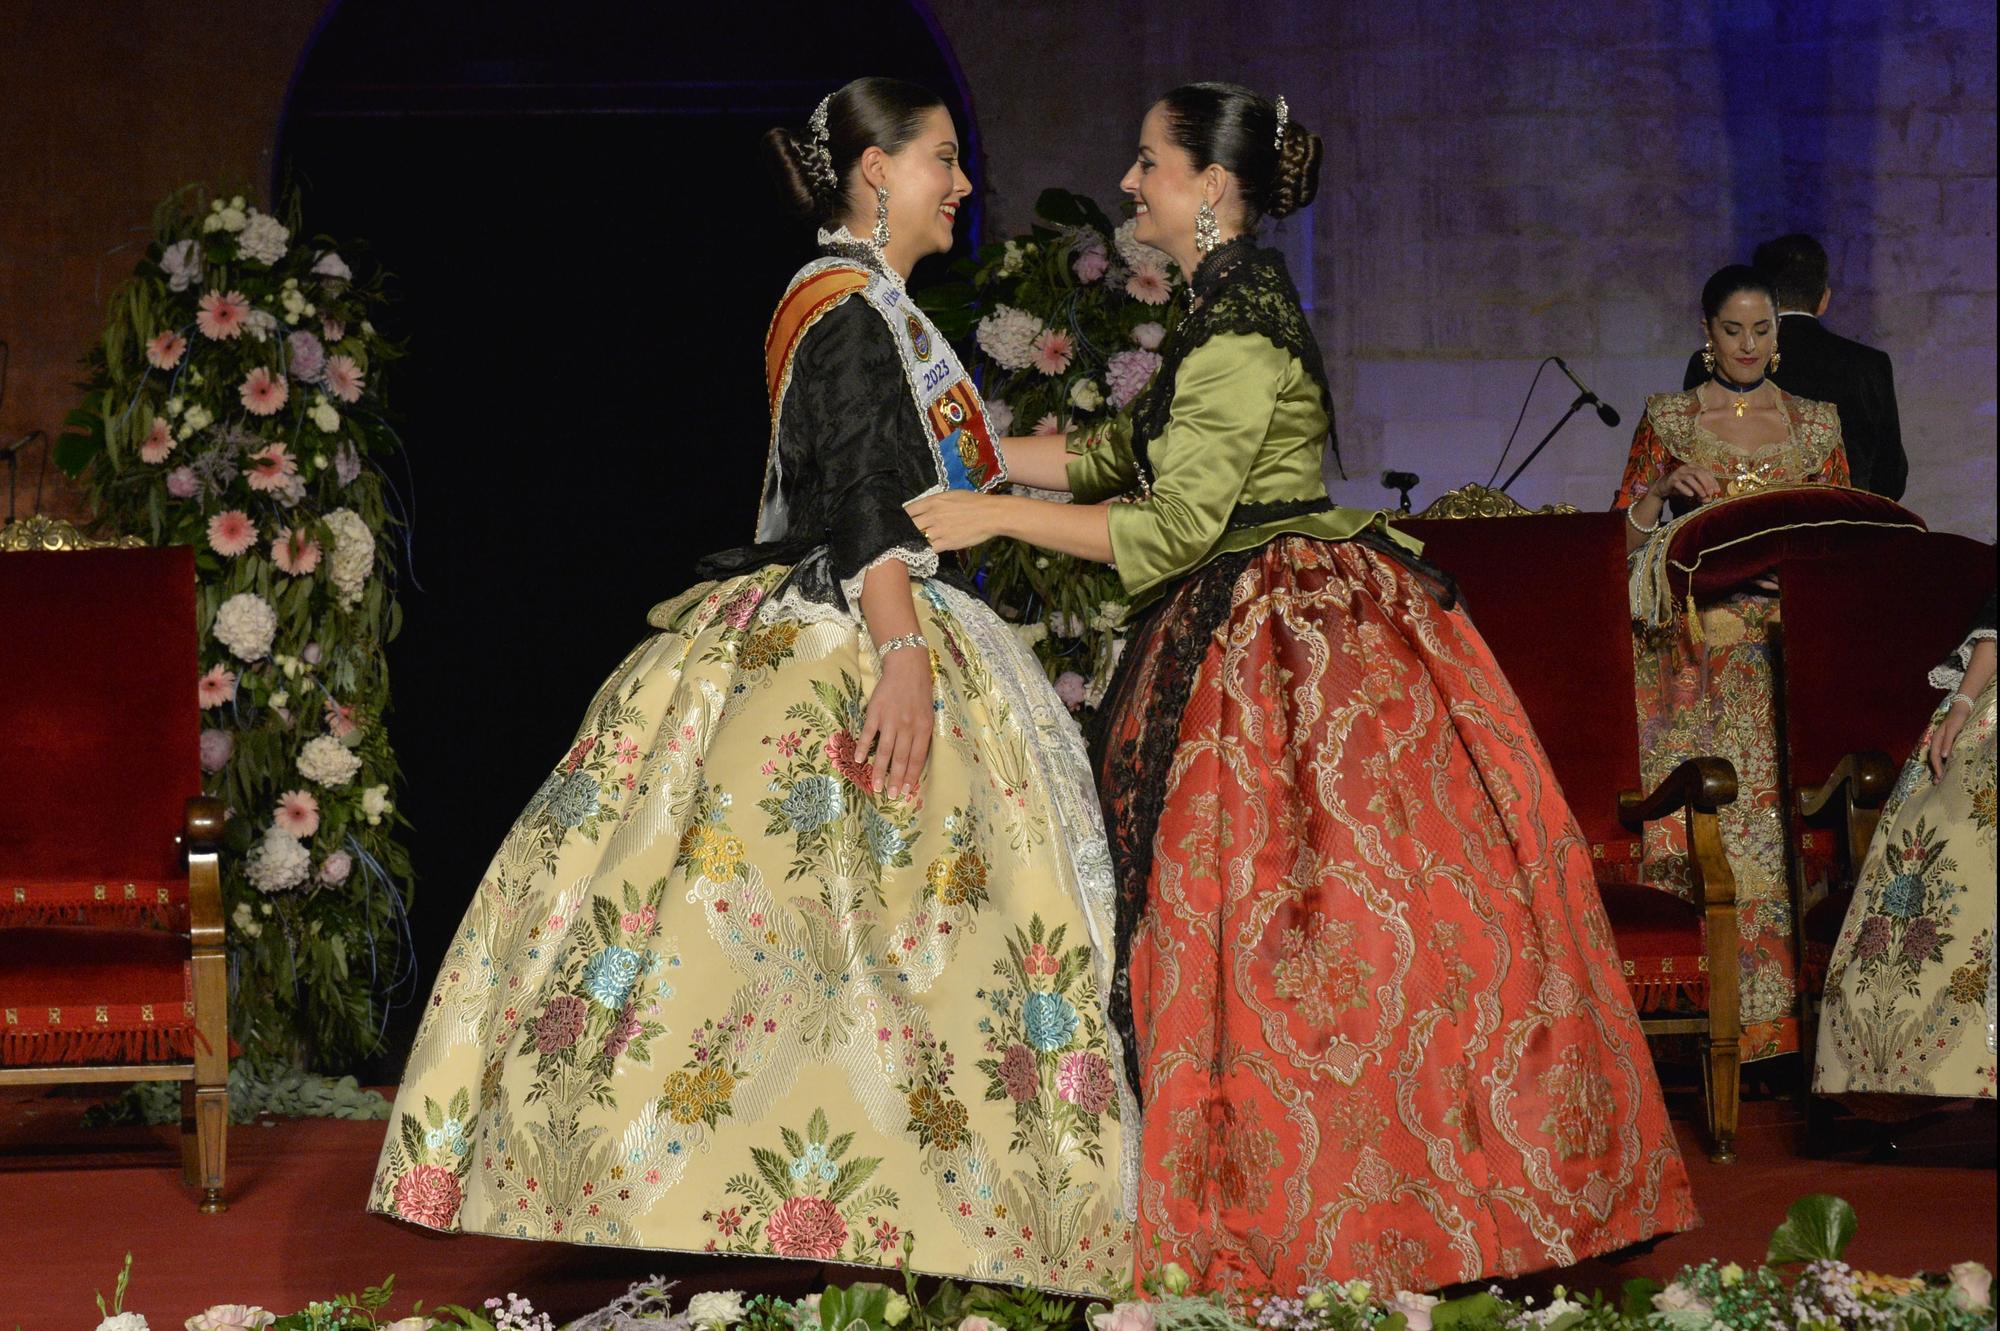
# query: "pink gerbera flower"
{"points": [[1053, 348], [165, 351], [295, 552], [221, 317], [343, 378], [333, 328], [231, 532], [271, 468], [158, 442], [263, 393], [1148, 284], [298, 813], [1048, 425], [217, 687], [340, 722]]}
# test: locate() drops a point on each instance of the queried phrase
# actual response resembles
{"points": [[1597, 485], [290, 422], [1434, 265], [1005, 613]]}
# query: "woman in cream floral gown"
{"points": [[732, 983]]}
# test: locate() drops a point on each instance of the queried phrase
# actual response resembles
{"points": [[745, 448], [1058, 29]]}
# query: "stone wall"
{"points": [[1505, 182]]}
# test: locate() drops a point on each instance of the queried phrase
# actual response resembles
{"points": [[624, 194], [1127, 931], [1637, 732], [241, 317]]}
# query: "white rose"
{"points": [[124, 1322], [409, 1324], [231, 218], [1416, 1308], [245, 624], [198, 418], [325, 416], [279, 862], [331, 264], [375, 803], [1679, 1298], [231, 1316], [1971, 1286], [1086, 395], [719, 1308], [327, 761]]}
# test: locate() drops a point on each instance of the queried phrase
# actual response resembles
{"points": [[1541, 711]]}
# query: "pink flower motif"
{"points": [[1090, 261], [221, 317], [742, 607], [298, 813], [216, 748], [340, 722], [560, 1023], [1148, 284], [1041, 962], [807, 1227], [624, 1030], [231, 532], [261, 394], [295, 552], [271, 468], [158, 442], [1048, 424], [1149, 336], [1084, 1079], [1019, 1073], [165, 351], [1053, 349], [216, 687], [308, 357], [840, 752], [429, 1195], [343, 378], [182, 483]]}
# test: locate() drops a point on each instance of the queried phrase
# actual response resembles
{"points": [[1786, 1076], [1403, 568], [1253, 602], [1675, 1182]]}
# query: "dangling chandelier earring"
{"points": [[881, 216], [1708, 356], [1774, 362], [1207, 232]]}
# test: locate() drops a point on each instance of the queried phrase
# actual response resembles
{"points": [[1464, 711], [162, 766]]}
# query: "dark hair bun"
{"points": [[1296, 180], [787, 165]]}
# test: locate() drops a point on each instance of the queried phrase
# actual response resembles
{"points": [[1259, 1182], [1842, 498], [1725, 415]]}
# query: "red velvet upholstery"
{"points": [[1750, 537], [99, 731], [91, 994]]}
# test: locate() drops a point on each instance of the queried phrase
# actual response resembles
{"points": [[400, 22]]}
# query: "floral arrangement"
{"points": [[1063, 328], [235, 405], [1823, 1294]]}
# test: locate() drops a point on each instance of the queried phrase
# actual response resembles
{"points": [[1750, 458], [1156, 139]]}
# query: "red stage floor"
{"points": [[73, 1202]]}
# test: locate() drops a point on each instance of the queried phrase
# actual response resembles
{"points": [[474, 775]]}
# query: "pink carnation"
{"points": [[1148, 284], [809, 1227], [1019, 1072], [216, 747], [231, 532], [1053, 350], [1090, 261], [217, 687], [261, 393], [333, 870], [182, 483], [158, 443], [308, 357], [295, 552], [1084, 1079], [1127, 373], [343, 378], [428, 1195], [1149, 335], [298, 813], [271, 468], [165, 351], [221, 317]]}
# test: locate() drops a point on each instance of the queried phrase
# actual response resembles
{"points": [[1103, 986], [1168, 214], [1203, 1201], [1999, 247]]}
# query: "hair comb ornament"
{"points": [[1284, 116], [819, 157]]}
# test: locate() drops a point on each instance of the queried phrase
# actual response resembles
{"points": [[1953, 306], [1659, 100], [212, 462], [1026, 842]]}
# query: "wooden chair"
{"points": [[112, 963], [1863, 625], [1548, 592]]}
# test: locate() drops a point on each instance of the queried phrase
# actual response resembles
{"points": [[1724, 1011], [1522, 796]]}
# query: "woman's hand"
{"points": [[957, 519], [898, 722], [1687, 481], [1945, 734]]}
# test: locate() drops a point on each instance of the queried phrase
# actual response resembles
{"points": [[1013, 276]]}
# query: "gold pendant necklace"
{"points": [[1740, 400]]}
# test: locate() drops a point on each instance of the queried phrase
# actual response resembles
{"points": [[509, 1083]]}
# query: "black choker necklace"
{"points": [[1742, 391]]}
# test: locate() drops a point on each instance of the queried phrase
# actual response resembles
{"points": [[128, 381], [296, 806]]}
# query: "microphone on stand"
{"points": [[1604, 410]]}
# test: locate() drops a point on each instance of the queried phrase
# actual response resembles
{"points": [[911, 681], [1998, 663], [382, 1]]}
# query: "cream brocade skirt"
{"points": [[714, 994]]}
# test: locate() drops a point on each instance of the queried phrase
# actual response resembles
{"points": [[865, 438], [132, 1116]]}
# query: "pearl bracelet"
{"points": [[897, 644], [1633, 521], [1965, 698]]}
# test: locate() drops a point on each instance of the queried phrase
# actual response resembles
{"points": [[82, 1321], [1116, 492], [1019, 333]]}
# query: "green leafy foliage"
{"points": [[1816, 1229]]}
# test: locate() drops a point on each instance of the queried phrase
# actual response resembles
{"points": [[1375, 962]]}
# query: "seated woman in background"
{"points": [[1736, 433], [1910, 994]]}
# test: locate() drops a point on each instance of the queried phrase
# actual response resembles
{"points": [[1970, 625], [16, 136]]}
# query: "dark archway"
{"points": [[585, 257]]}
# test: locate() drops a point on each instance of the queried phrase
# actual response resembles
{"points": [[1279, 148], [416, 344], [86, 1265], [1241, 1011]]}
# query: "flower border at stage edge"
{"points": [[1803, 1285], [235, 405]]}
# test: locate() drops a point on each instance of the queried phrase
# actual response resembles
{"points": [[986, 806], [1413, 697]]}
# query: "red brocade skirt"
{"points": [[1381, 1031]]}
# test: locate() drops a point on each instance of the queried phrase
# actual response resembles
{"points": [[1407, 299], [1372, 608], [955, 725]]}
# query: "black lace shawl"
{"points": [[1237, 288], [852, 449]]}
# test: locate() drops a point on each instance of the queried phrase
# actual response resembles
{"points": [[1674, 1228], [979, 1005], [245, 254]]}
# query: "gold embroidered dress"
{"points": [[1719, 699], [716, 992]]}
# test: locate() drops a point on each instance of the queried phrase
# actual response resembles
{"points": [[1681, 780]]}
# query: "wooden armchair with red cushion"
{"points": [[112, 964], [1549, 593]]}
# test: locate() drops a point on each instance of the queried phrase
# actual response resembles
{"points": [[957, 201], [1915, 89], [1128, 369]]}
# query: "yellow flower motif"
{"points": [[957, 879], [693, 1097], [767, 646]]}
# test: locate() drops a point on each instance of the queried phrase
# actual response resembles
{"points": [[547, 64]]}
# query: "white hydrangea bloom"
{"points": [[245, 624], [263, 238], [1008, 335], [353, 554], [327, 761], [278, 863], [999, 418], [1132, 252]]}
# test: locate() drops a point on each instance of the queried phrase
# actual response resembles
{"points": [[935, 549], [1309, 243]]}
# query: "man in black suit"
{"points": [[1816, 363]]}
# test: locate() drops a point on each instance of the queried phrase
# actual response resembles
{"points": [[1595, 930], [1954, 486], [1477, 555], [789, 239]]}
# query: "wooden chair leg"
{"points": [[211, 1128], [1722, 1092], [1722, 1047], [209, 969]]}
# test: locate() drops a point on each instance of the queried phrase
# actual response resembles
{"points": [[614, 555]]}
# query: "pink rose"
{"points": [[428, 1195], [807, 1227], [1090, 261], [216, 747], [1070, 688], [1126, 1317], [333, 870], [1149, 336]]}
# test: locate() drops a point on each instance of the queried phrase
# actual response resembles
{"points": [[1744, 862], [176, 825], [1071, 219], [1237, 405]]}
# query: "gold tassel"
{"points": [[1694, 620]]}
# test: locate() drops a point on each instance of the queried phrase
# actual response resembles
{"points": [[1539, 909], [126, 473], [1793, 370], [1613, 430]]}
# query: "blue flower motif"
{"points": [[1904, 896], [1050, 1021], [814, 802], [815, 1161], [610, 975], [885, 843], [575, 801]]}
